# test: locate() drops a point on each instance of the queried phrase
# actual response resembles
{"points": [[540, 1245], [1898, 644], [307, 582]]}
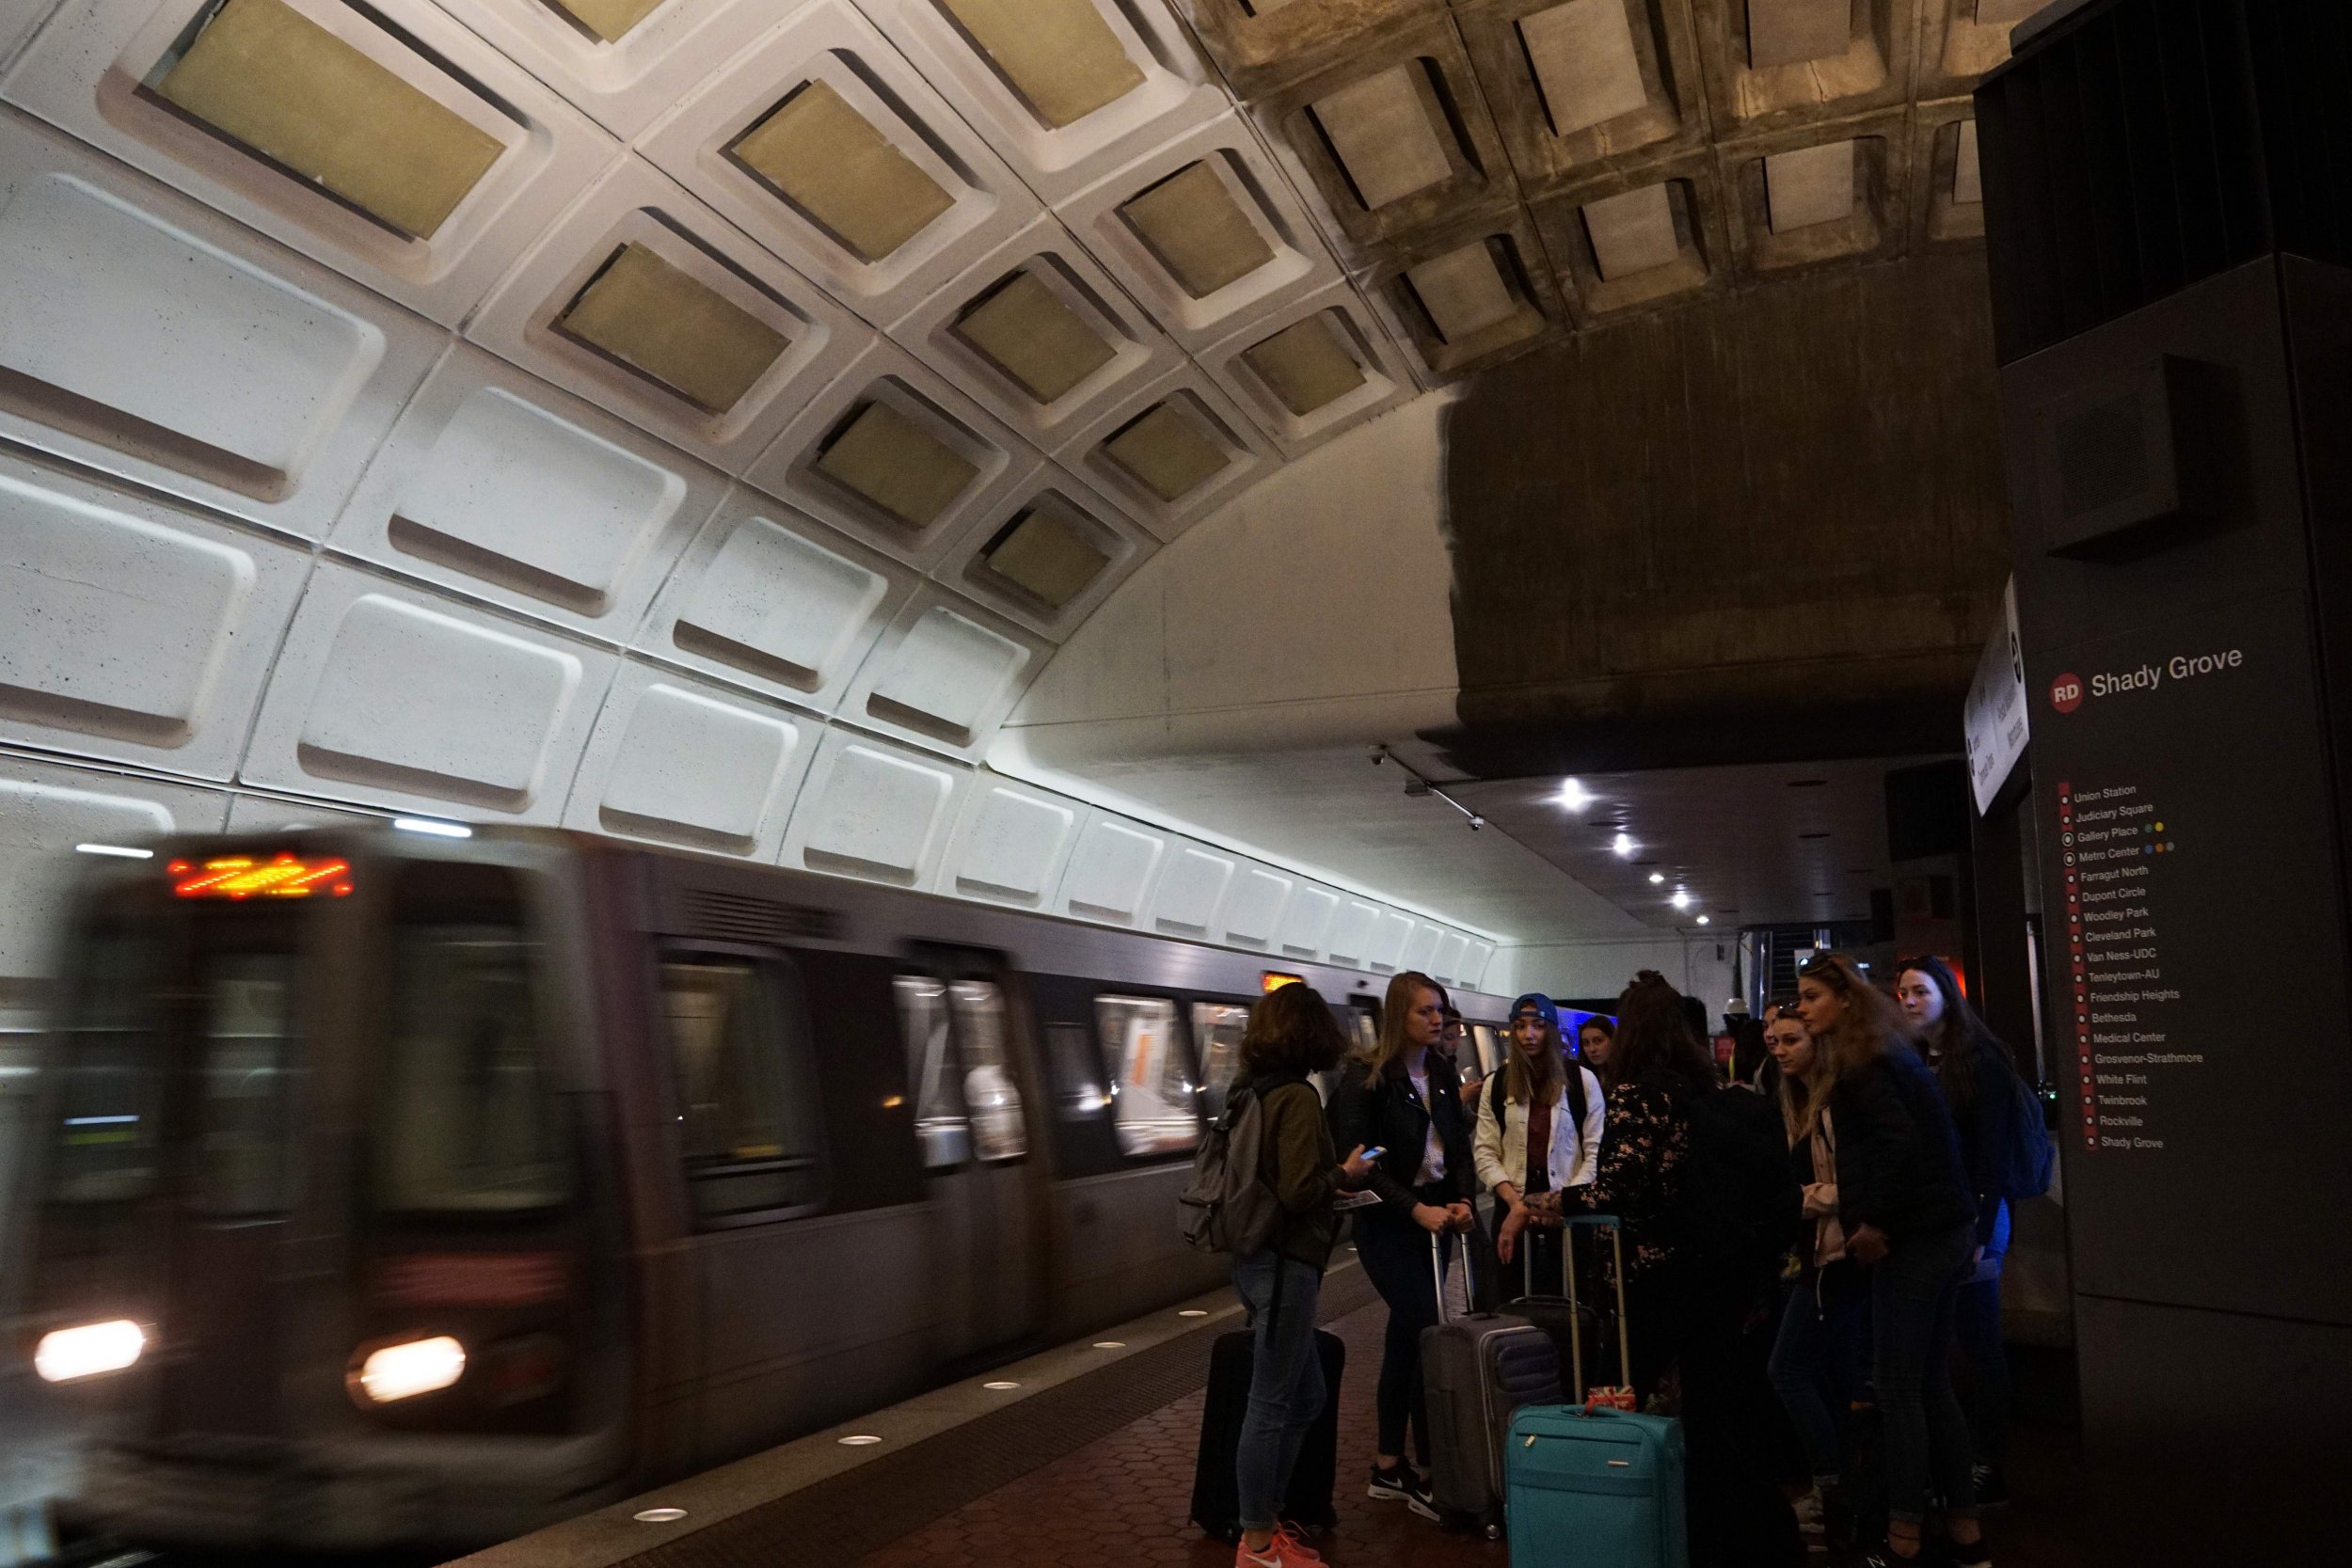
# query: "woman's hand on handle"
{"points": [[1433, 1219], [1461, 1217], [1507, 1238]]}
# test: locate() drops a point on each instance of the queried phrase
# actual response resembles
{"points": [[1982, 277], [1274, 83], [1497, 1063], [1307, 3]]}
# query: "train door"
{"points": [[972, 1118]]}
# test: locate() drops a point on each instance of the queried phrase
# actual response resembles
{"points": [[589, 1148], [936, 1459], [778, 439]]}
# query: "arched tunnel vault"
{"points": [[541, 429]]}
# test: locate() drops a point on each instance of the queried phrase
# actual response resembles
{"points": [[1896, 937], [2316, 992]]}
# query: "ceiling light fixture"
{"points": [[1704, 921], [1655, 878], [1623, 846], [1681, 899], [1417, 786], [1573, 795]]}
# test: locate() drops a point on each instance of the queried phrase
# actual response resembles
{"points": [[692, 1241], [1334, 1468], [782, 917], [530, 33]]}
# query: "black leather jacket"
{"points": [[1898, 1162], [1379, 1109]]}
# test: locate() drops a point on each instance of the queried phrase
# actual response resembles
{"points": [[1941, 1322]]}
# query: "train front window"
{"points": [[941, 1125], [1216, 1029], [991, 1091], [107, 1140], [747, 1125], [1152, 1087], [246, 1083], [467, 1120]]}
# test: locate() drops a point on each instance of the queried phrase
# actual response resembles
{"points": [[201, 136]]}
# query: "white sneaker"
{"points": [[1808, 1508]]}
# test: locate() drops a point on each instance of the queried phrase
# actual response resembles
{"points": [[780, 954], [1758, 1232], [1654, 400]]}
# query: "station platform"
{"points": [[1089, 1461]]}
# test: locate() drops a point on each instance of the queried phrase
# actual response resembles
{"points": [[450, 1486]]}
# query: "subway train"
{"points": [[404, 1188]]}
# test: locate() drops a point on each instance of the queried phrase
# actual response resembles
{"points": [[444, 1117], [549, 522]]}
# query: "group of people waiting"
{"points": [[1885, 1112]]}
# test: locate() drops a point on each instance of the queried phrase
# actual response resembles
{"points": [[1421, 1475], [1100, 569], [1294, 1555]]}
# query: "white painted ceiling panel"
{"points": [[1256, 908], [1209, 410], [393, 696], [85, 73], [1351, 932], [767, 598], [1421, 952], [1386, 379], [887, 375], [1475, 961], [827, 41], [131, 630], [1070, 504], [875, 811], [1140, 351], [678, 762], [45, 809], [1012, 842], [1300, 264], [1111, 871], [1192, 890], [1448, 965], [944, 674], [625, 82], [1386, 950], [164, 343], [1306, 923], [1176, 92], [634, 204], [1383, 137], [495, 483]]}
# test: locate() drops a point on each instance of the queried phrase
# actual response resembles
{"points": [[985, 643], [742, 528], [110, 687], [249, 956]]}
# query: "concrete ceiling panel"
{"points": [[1455, 332], [1947, 184], [1751, 94], [676, 762], [1406, 100], [1589, 85], [1674, 223], [1339, 364], [1261, 45], [1129, 454]]}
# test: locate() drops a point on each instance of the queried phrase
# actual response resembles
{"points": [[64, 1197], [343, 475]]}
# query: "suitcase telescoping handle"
{"points": [[1437, 1272], [1575, 1321]]}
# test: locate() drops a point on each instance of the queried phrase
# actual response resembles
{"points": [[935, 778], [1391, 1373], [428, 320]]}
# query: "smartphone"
{"points": [[1375, 1153]]}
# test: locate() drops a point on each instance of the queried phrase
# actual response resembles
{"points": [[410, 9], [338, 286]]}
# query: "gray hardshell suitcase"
{"points": [[1476, 1370]]}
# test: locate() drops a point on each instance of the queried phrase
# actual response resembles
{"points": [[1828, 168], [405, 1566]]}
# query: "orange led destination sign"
{"points": [[281, 875], [1273, 980]]}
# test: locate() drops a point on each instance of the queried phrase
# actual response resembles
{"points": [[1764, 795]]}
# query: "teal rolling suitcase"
{"points": [[1590, 1486], [1596, 1488]]}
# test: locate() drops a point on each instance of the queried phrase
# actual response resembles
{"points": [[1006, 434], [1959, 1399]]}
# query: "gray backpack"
{"points": [[1227, 1207]]}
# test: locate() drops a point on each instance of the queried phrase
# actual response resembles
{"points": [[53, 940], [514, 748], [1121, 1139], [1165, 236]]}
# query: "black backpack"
{"points": [[1742, 1206], [2028, 1156]]}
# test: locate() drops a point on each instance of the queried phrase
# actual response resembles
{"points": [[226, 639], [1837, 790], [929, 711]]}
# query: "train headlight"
{"points": [[66, 1354], [404, 1370]]}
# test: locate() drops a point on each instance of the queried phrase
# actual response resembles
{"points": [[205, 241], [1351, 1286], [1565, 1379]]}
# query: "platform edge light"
{"points": [[126, 851], [428, 825]]}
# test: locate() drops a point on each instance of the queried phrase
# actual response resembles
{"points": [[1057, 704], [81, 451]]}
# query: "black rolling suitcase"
{"points": [[1216, 1507]]}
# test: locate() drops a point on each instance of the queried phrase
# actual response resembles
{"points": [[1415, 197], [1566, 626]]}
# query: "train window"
{"points": [[748, 1129], [990, 1088], [1151, 1085], [1078, 1071], [467, 1120], [244, 1136], [940, 1125], [1216, 1029], [1364, 1035], [108, 1088], [1489, 1044]]}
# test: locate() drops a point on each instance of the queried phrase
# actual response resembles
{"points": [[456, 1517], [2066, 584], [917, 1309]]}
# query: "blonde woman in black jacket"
{"points": [[1406, 1102]]}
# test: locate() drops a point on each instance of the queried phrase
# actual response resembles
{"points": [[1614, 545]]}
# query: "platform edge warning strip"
{"points": [[844, 1517]]}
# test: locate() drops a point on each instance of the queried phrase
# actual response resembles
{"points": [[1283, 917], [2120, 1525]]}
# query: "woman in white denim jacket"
{"points": [[1564, 1101]]}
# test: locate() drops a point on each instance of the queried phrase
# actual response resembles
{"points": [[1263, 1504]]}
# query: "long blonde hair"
{"points": [[1800, 1092], [1516, 1086], [1400, 1000], [1867, 1029]]}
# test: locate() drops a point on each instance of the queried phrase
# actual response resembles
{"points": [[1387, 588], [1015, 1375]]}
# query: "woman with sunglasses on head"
{"points": [[1818, 1352], [1909, 1221], [1979, 1082], [1404, 1104]]}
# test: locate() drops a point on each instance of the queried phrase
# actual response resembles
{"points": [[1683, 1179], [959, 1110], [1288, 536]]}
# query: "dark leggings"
{"points": [[1977, 1327], [1395, 1255]]}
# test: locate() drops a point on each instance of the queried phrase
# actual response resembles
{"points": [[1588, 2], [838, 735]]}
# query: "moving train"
{"points": [[409, 1190]]}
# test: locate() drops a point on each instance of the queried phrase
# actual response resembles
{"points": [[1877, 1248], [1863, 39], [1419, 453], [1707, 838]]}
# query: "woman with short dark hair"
{"points": [[1291, 1036]]}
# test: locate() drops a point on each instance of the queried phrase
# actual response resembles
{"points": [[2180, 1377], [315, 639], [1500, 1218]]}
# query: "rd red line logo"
{"points": [[2066, 693]]}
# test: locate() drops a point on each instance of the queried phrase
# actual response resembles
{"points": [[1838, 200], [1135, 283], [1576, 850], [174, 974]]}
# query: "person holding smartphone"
{"points": [[1406, 1102]]}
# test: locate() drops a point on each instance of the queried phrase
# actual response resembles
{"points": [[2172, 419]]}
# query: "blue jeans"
{"points": [[1977, 1324], [1286, 1391], [1912, 1295], [1816, 1356]]}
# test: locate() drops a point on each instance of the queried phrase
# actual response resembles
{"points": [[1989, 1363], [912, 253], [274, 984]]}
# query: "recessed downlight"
{"points": [[659, 1516], [859, 1440], [1000, 1385], [1193, 1312], [1622, 844], [1655, 878], [1110, 1344]]}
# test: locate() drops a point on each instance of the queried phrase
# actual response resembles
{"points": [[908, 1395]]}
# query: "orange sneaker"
{"points": [[1286, 1550], [1294, 1547]]}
